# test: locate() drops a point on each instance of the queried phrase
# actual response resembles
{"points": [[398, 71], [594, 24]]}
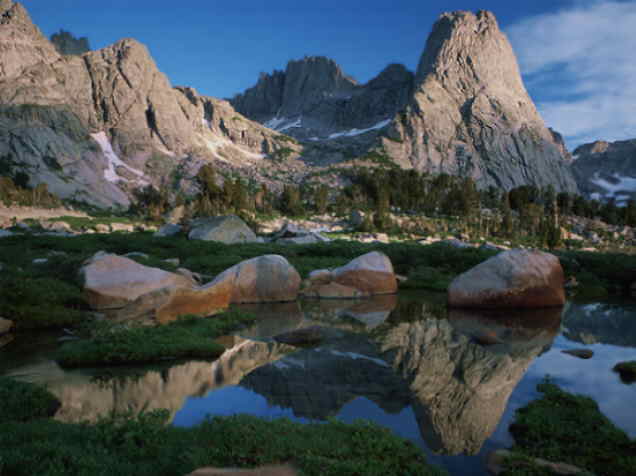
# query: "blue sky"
{"points": [[570, 50]]}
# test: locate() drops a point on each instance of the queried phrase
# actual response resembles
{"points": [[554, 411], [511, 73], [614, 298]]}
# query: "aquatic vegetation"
{"points": [[627, 371], [22, 401], [190, 337], [563, 427]]}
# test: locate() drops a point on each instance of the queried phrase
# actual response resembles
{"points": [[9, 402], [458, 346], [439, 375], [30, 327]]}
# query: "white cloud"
{"points": [[579, 65]]}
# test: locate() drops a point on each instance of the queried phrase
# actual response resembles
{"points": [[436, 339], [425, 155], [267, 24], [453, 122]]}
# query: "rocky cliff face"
{"points": [[66, 44], [465, 111], [314, 99], [98, 126], [607, 170], [470, 113]]}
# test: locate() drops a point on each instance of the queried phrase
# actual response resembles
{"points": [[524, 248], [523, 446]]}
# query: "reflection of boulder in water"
{"points": [[85, 398], [316, 383], [461, 387], [353, 313], [272, 319], [605, 323]]}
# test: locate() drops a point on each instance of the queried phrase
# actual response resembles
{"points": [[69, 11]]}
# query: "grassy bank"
{"points": [[562, 427], [143, 445], [48, 294], [106, 343]]}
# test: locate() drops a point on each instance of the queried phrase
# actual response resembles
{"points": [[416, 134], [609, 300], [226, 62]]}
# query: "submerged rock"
{"points": [[580, 353], [511, 279]]}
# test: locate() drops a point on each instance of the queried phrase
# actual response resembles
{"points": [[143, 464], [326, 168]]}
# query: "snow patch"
{"points": [[357, 132], [113, 161], [281, 124], [611, 190]]}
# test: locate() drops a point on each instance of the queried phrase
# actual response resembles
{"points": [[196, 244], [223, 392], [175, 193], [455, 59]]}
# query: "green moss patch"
{"points": [[117, 344], [562, 427], [23, 401], [627, 371], [145, 446]]}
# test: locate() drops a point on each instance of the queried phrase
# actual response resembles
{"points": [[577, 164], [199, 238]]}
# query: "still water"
{"points": [[448, 381]]}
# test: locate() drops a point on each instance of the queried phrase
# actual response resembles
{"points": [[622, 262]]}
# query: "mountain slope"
{"points": [[607, 170], [464, 112], [96, 127]]}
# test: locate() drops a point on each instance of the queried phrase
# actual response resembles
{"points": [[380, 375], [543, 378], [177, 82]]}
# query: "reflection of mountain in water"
{"points": [[462, 371], [84, 398], [316, 383], [604, 323]]}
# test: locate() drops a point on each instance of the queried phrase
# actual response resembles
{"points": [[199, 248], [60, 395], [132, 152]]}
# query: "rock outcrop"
{"points": [[464, 112], [226, 229], [313, 98], [95, 127], [67, 44], [470, 113], [511, 279], [606, 170]]}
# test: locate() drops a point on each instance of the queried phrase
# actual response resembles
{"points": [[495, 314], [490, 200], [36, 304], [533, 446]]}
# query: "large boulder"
{"points": [[112, 282], [5, 329], [226, 229], [371, 274], [291, 233], [127, 290], [511, 279], [268, 278]]}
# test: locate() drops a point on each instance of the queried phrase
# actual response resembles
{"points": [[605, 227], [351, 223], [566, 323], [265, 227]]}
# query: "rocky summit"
{"points": [[464, 112], [607, 170], [470, 113], [98, 126]]}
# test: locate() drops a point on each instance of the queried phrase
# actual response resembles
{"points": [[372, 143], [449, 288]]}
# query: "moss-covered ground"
{"points": [[143, 445], [106, 343], [627, 371], [562, 427]]}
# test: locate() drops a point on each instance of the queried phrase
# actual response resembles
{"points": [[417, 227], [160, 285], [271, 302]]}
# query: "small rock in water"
{"points": [[580, 353]]}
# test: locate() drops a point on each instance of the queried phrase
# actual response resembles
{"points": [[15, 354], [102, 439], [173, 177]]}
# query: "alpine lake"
{"points": [[448, 380]]}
